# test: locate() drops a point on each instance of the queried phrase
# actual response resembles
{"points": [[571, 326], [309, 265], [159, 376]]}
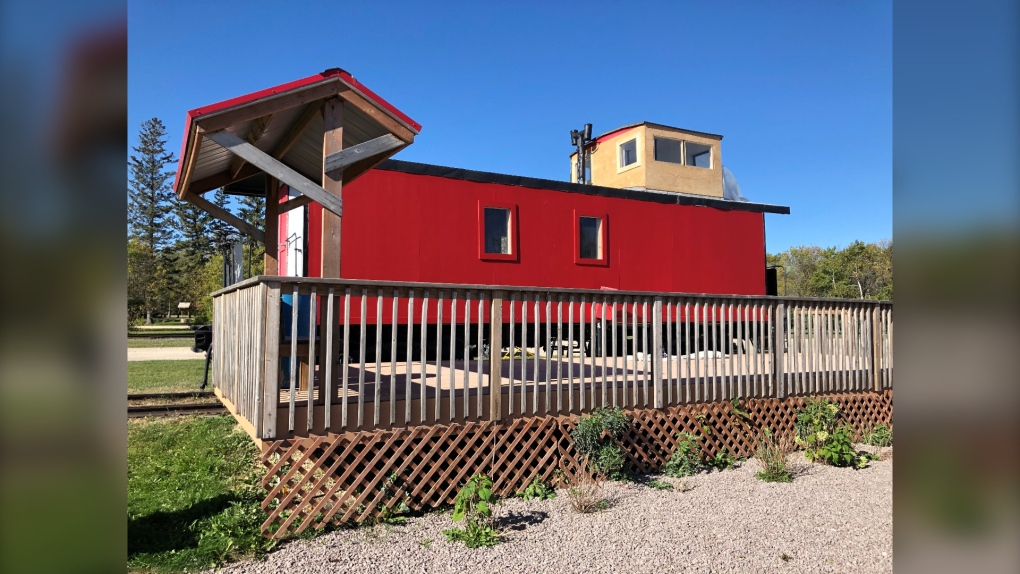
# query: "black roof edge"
{"points": [[534, 182]]}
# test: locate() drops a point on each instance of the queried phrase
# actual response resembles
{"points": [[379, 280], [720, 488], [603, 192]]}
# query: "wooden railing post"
{"points": [[271, 388], [496, 357], [876, 351], [658, 396], [778, 322]]}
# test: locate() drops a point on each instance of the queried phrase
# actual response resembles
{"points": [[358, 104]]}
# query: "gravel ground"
{"points": [[827, 520]]}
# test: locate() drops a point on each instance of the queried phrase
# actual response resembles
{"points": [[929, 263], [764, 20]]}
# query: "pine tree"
{"points": [[223, 235], [253, 210], [150, 199], [196, 239]]}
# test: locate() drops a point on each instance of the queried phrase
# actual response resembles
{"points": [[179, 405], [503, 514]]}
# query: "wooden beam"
{"points": [[332, 144], [378, 115], [221, 120], [293, 203], [194, 147], [271, 263], [297, 130], [255, 131], [224, 215], [352, 172], [277, 169], [338, 161]]}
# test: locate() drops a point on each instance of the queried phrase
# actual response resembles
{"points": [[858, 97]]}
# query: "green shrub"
{"points": [[878, 435], [594, 439], [610, 461], [837, 449], [824, 438], [686, 459], [474, 506], [537, 490], [816, 422]]}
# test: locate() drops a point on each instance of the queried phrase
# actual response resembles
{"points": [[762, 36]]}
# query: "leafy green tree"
{"points": [[150, 199], [859, 271]]}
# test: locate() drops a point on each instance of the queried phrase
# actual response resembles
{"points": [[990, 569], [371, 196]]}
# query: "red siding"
{"points": [[407, 227]]}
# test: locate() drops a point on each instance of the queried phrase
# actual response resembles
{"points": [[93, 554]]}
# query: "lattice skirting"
{"points": [[315, 481]]}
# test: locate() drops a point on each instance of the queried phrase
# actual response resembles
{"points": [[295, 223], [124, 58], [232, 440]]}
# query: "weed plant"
{"points": [[595, 440], [537, 490], [686, 459], [773, 452], [659, 484], [587, 496], [878, 435], [473, 505]]}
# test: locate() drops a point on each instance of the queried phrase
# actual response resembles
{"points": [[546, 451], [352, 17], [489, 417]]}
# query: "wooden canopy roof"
{"points": [[290, 132]]}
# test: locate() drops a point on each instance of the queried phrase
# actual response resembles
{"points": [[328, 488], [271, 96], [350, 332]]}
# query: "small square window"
{"points": [[628, 153], [698, 155], [668, 150], [497, 230], [590, 237]]}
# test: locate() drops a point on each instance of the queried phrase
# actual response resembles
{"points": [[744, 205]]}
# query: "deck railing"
{"points": [[297, 356]]}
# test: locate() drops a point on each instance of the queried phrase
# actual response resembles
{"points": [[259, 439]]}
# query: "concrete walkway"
{"points": [[163, 354]]}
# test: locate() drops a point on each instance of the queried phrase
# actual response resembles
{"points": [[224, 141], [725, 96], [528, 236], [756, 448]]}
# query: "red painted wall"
{"points": [[406, 227]]}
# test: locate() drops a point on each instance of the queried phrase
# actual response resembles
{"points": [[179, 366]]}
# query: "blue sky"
{"points": [[801, 91]]}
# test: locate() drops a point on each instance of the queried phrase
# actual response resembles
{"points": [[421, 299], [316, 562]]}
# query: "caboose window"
{"points": [[497, 230], [628, 153], [698, 155], [590, 237], [668, 150]]}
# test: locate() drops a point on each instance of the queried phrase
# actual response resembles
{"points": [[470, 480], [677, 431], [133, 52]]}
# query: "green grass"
{"points": [[150, 343], [164, 376], [193, 494]]}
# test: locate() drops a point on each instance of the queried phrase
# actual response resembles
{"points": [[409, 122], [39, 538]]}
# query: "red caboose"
{"points": [[415, 222], [652, 215]]}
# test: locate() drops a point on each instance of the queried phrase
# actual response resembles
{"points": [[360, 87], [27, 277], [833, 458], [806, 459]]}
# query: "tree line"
{"points": [[174, 249], [859, 271]]}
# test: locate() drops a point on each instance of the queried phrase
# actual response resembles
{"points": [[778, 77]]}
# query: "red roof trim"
{"points": [[289, 86], [604, 137]]}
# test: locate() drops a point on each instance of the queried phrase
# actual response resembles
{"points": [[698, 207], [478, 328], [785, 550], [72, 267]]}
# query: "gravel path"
{"points": [[163, 354], [827, 520]]}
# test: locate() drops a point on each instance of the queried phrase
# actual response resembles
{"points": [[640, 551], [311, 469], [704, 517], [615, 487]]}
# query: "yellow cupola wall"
{"points": [[656, 157]]}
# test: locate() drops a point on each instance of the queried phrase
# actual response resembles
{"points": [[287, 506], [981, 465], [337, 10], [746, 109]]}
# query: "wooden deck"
{"points": [[365, 342]]}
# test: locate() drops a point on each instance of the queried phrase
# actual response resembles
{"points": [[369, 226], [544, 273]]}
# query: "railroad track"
{"points": [[176, 395], [175, 408]]}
